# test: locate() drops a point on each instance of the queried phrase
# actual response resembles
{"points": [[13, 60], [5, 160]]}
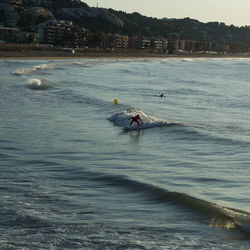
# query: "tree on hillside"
{"points": [[2, 15], [95, 38], [31, 38], [68, 4], [41, 19], [26, 20]]}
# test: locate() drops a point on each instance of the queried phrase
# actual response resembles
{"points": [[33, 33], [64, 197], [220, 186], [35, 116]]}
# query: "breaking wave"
{"points": [[30, 70], [37, 84], [49, 66], [121, 119], [211, 213]]}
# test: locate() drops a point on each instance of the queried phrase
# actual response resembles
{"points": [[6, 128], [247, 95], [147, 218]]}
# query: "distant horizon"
{"points": [[229, 12]]}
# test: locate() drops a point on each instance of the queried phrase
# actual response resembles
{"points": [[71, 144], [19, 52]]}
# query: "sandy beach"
{"points": [[55, 54], [60, 54]]}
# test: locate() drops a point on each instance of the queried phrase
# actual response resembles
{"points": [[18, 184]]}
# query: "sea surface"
{"points": [[75, 175]]}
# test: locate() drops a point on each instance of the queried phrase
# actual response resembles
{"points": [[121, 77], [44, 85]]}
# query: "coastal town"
{"points": [[30, 23]]}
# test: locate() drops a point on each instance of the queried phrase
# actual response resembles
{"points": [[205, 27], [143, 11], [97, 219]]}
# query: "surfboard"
{"points": [[128, 128]]}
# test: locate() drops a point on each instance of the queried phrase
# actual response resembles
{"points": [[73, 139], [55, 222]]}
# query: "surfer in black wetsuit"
{"points": [[136, 119], [161, 95]]}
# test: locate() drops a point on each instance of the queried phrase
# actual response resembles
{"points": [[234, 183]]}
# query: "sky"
{"points": [[236, 12]]}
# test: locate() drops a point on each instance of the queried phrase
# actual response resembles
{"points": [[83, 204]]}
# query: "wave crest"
{"points": [[121, 119], [37, 84], [30, 70], [209, 212], [51, 66]]}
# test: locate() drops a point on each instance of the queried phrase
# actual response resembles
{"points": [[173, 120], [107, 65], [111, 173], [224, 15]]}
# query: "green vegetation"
{"points": [[2, 15], [56, 4], [104, 21]]}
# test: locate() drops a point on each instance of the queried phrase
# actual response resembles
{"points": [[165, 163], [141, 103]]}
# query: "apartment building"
{"points": [[63, 33], [9, 35], [116, 41], [145, 43], [190, 45], [16, 2]]}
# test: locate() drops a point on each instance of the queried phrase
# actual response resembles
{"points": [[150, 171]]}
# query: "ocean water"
{"points": [[74, 175]]}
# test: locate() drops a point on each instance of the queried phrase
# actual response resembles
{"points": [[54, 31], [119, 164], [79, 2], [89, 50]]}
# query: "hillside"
{"points": [[21, 14]]}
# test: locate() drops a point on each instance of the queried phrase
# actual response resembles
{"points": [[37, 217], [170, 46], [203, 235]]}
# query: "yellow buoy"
{"points": [[115, 101]]}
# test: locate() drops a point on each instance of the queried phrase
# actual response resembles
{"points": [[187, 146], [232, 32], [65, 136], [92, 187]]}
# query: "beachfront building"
{"points": [[190, 45], [82, 37], [181, 44], [177, 45], [16, 2], [223, 47], [173, 45], [137, 42], [145, 43], [26, 38], [134, 42], [204, 46], [117, 41], [159, 44], [62, 33], [9, 35]]}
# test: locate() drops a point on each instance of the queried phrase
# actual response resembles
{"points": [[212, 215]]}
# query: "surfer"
{"points": [[136, 119], [161, 95]]}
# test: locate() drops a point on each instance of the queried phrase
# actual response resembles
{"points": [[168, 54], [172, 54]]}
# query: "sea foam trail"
{"points": [[57, 65], [30, 70], [121, 119]]}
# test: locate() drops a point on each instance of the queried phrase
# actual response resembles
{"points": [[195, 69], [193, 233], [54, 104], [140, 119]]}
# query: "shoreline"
{"points": [[61, 54]]}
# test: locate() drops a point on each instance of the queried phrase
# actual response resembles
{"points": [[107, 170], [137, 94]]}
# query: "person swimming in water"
{"points": [[136, 119], [161, 95]]}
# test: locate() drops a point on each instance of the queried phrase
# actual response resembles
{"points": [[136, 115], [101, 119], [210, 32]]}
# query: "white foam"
{"points": [[122, 119], [36, 84], [30, 70], [35, 81], [56, 65], [187, 60]]}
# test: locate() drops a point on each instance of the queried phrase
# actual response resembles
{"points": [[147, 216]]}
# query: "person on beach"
{"points": [[136, 119]]}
